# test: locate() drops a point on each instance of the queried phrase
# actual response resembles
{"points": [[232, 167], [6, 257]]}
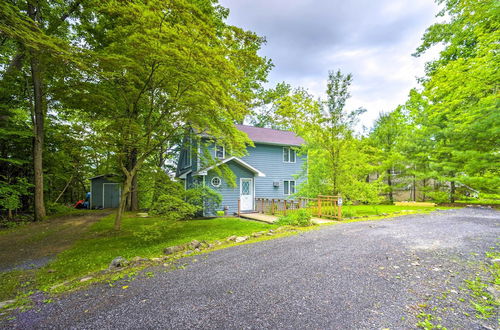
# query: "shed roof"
{"points": [[102, 175], [271, 136]]}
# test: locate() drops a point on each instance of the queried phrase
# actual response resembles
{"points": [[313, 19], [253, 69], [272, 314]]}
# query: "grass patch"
{"points": [[480, 201], [100, 243], [483, 302], [349, 211], [426, 322]]}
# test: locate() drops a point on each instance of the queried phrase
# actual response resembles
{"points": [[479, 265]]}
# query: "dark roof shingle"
{"points": [[271, 136]]}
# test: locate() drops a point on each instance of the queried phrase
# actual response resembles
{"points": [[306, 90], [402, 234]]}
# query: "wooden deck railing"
{"points": [[321, 207]]}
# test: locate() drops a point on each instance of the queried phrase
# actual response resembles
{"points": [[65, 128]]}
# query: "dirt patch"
{"points": [[36, 244]]}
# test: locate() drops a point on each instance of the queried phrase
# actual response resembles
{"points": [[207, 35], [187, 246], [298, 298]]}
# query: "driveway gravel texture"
{"points": [[360, 275]]}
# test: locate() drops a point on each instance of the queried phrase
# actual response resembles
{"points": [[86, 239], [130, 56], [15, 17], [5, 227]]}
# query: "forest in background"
{"points": [[94, 87]]}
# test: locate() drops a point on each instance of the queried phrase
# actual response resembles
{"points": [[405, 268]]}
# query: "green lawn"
{"points": [[480, 201], [349, 211], [100, 244]]}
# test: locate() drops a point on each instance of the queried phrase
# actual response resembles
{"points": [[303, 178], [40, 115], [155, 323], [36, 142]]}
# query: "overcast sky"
{"points": [[372, 39]]}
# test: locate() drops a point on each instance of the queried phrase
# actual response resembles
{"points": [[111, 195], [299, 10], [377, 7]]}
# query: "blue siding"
{"points": [[264, 157], [230, 195], [269, 159], [112, 197]]}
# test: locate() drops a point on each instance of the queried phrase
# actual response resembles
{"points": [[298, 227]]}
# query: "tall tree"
{"points": [[338, 160], [386, 136], [461, 91], [159, 69], [37, 30]]}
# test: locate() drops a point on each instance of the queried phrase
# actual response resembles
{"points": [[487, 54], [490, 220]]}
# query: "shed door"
{"points": [[111, 195]]}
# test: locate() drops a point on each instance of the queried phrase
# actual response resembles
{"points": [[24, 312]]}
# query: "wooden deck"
{"points": [[259, 217]]}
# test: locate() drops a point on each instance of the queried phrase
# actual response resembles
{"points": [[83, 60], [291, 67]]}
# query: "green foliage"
{"points": [[299, 218], [103, 244], [338, 160], [388, 137], [439, 196], [109, 106], [203, 197], [100, 244], [11, 193], [173, 208], [425, 322], [57, 208], [483, 302], [455, 116], [349, 211]]}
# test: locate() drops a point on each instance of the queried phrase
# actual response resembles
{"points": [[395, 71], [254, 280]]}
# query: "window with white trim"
{"points": [[289, 187], [216, 181], [220, 152], [186, 159], [288, 155]]}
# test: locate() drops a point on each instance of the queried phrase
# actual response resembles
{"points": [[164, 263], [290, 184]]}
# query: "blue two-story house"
{"points": [[270, 169]]}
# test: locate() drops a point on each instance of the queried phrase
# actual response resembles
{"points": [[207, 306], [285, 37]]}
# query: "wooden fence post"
{"points": [[272, 206], [284, 211], [239, 206], [319, 207], [339, 211], [262, 205]]}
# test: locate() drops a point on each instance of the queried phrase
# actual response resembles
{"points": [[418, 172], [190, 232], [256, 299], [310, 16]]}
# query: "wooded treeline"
{"points": [[442, 144], [91, 87]]}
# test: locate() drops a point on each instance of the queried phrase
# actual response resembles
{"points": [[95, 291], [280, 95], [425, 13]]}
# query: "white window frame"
{"points": [[289, 151], [187, 160], [289, 192], [212, 182], [223, 152]]}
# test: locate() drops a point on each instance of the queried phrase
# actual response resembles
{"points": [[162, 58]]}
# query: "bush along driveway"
{"points": [[430, 270]]}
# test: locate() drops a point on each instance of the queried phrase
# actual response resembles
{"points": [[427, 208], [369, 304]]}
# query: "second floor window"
{"points": [[187, 156], [220, 153], [288, 155]]}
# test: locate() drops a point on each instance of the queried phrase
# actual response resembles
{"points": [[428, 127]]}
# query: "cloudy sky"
{"points": [[372, 39]]}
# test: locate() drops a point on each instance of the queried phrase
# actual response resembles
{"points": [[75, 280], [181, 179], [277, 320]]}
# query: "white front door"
{"points": [[246, 194]]}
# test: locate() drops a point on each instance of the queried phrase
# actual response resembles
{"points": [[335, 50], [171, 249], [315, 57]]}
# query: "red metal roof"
{"points": [[271, 136]]}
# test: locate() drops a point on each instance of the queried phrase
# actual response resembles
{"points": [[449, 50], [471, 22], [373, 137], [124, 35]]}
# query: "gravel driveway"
{"points": [[377, 274]]}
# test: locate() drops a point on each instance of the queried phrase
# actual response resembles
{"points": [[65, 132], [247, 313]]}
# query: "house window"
{"points": [[220, 153], [288, 155], [289, 187], [216, 181], [186, 162]]}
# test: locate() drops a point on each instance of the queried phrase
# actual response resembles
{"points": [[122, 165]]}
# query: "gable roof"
{"points": [[271, 136], [236, 160]]}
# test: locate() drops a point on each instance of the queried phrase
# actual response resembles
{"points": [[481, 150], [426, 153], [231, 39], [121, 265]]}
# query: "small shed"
{"points": [[105, 191]]}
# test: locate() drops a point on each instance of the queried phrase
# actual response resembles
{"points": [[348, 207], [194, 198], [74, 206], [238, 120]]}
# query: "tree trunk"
{"points": [[123, 200], [452, 192], [389, 183], [64, 190], [134, 195], [133, 198], [127, 184], [38, 124], [424, 188]]}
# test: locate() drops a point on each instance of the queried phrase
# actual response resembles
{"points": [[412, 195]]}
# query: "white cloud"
{"points": [[373, 40]]}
